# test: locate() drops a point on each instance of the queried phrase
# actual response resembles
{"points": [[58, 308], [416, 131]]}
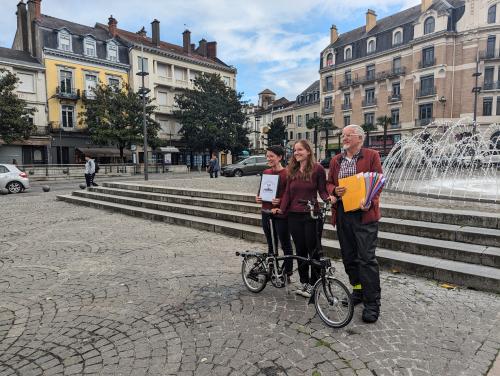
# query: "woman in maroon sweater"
{"points": [[275, 155], [306, 179]]}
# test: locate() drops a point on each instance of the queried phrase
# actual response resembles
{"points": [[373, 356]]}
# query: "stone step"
{"points": [[416, 213], [451, 250], [474, 276], [441, 231]]}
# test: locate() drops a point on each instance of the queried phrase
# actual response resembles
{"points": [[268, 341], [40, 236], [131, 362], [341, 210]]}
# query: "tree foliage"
{"points": [[15, 123], [211, 116], [320, 125], [384, 122], [277, 132], [368, 127], [115, 117]]}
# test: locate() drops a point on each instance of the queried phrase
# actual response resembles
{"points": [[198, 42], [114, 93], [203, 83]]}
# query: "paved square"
{"points": [[84, 291]]}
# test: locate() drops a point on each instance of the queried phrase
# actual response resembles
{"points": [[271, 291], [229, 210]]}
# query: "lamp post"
{"points": [[143, 91], [476, 90]]}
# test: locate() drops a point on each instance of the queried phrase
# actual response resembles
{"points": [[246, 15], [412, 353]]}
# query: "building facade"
{"points": [[415, 66], [31, 88]]}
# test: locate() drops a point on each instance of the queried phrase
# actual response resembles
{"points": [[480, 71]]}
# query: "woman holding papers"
{"points": [[275, 155], [357, 222], [306, 179]]}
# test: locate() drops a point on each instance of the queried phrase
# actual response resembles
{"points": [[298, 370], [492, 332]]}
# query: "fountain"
{"points": [[447, 160]]}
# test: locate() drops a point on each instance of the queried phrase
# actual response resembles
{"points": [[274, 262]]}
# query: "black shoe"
{"points": [[370, 313], [357, 297]]}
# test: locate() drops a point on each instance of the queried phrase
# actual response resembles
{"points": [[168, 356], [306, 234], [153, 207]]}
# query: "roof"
{"points": [[20, 57], [397, 19], [136, 39], [311, 88], [266, 91], [74, 28]]}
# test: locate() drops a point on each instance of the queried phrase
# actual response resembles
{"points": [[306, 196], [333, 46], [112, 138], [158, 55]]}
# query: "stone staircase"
{"points": [[454, 246]]}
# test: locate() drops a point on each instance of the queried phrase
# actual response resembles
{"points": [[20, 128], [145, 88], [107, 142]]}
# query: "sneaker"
{"points": [[370, 313], [305, 290]]}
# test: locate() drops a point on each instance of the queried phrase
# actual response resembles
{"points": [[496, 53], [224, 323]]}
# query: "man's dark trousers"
{"points": [[358, 242]]}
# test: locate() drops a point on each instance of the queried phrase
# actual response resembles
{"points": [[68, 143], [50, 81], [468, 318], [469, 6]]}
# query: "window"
{"points": [[429, 24], [396, 90], [396, 65], [329, 59], [114, 82], [329, 83], [308, 117], [425, 113], [487, 106], [347, 77], [395, 118], [328, 103], [315, 115], [64, 40], [112, 54], [26, 82], [490, 46], [68, 113], [162, 98], [489, 74], [371, 46], [90, 85], [227, 80], [289, 119], [492, 14], [347, 120], [142, 64], [307, 135], [427, 85], [369, 118], [498, 107], [348, 53], [193, 75], [164, 70], [89, 47], [347, 99], [370, 72], [291, 136], [428, 57], [299, 121], [65, 81], [180, 74], [3, 170], [369, 96], [299, 136], [398, 38]]}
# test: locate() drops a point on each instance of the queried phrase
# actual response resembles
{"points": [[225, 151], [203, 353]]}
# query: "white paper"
{"points": [[268, 187]]}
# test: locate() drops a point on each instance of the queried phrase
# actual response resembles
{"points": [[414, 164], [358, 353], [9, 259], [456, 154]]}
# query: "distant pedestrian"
{"points": [[213, 167], [89, 171], [14, 162]]}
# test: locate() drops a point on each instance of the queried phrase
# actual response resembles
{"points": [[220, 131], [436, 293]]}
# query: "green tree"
{"points": [[384, 122], [211, 116], [115, 117], [276, 133], [368, 127], [15, 123], [320, 125]]}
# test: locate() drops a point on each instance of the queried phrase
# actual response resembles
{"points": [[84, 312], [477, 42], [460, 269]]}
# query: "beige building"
{"points": [[415, 66], [31, 88], [171, 69]]}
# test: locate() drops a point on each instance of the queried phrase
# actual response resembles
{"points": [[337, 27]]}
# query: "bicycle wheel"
{"points": [[253, 273], [333, 302]]}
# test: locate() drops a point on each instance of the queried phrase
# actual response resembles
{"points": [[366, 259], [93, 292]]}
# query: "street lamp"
{"points": [[143, 91], [476, 90]]}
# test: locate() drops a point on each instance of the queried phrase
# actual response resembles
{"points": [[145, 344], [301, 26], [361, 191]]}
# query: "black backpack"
{"points": [[96, 167]]}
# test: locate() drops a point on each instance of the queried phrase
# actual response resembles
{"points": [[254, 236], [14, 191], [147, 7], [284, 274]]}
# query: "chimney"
{"points": [[202, 49], [426, 4], [371, 20], [22, 25], [334, 35], [212, 50], [112, 22], [155, 32], [35, 9], [142, 32], [186, 41]]}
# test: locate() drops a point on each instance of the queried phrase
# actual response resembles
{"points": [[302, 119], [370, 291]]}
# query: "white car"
{"points": [[13, 179]]}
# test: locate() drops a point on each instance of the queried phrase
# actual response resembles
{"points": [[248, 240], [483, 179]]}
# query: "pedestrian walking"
{"points": [[274, 156], [357, 230], [306, 179], [213, 166], [89, 171]]}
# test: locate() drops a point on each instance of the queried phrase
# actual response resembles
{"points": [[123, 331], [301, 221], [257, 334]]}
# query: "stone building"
{"points": [[414, 66]]}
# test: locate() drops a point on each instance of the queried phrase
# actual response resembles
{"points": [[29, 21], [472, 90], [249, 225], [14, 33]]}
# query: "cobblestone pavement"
{"points": [[84, 291]]}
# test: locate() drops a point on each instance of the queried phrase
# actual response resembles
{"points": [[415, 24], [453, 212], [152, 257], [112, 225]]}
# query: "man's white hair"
{"points": [[357, 129]]}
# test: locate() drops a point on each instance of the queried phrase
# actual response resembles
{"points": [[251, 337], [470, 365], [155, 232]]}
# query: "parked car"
{"points": [[252, 165], [13, 179]]}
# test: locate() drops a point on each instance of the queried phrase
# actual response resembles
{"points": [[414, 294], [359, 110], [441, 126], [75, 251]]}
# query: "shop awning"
{"points": [[167, 149], [104, 152]]}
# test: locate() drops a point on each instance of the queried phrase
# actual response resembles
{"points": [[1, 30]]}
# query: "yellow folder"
{"points": [[355, 191]]}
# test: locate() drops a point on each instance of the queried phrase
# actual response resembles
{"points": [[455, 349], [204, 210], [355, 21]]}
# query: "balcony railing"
{"points": [[65, 93], [369, 102], [427, 92], [492, 85], [41, 131], [327, 110], [401, 71], [489, 54], [89, 95], [345, 83], [423, 122], [394, 98], [427, 63], [346, 106], [369, 78], [327, 88]]}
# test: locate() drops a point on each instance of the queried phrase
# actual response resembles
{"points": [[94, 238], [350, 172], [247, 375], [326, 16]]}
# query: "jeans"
{"points": [[89, 179], [214, 174], [282, 234]]}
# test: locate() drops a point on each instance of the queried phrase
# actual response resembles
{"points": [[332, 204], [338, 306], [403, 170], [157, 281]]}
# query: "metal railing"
{"points": [[490, 53], [492, 85], [346, 106], [394, 98], [369, 102], [423, 122], [76, 170], [328, 110], [426, 63], [426, 92], [67, 93]]}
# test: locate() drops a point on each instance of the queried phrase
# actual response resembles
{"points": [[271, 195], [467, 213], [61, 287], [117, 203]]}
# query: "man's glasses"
{"points": [[349, 135]]}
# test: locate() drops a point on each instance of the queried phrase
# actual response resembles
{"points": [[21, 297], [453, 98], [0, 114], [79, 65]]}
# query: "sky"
{"points": [[274, 44]]}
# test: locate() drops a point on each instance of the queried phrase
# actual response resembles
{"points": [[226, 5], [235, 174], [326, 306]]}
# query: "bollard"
{"points": [[82, 186], [45, 188], [4, 191]]}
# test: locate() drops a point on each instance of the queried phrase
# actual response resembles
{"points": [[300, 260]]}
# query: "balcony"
{"points": [[345, 84], [489, 54], [423, 122], [368, 78], [426, 92], [70, 94], [41, 131], [327, 88], [426, 63], [394, 98], [396, 72], [369, 102], [346, 106], [492, 85], [327, 110], [88, 95]]}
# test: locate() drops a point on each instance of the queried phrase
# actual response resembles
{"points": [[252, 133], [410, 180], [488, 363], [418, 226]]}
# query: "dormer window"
{"points": [[89, 47], [397, 38], [112, 51], [329, 60], [348, 53], [64, 40], [371, 46], [429, 25], [492, 14]]}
